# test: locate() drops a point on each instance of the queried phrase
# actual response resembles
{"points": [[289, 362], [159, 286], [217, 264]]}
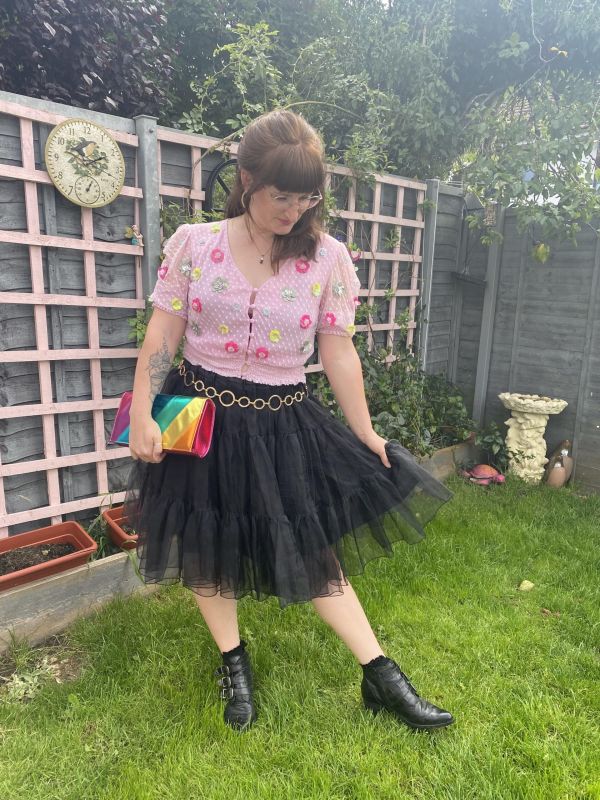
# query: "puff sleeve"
{"points": [[172, 282], [337, 308]]}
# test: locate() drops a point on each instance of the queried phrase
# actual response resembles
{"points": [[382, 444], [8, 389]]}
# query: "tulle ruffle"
{"points": [[286, 504]]}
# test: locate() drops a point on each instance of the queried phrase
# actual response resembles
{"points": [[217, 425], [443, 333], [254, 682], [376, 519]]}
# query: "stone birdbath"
{"points": [[526, 427]]}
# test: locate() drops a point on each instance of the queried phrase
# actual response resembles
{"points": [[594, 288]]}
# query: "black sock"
{"points": [[374, 662], [235, 650]]}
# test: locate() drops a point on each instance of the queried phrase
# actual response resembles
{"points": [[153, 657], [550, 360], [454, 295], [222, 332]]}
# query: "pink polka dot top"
{"points": [[261, 333]]}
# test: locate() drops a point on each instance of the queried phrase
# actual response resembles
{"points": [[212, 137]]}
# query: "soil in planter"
{"points": [[128, 530], [32, 554]]}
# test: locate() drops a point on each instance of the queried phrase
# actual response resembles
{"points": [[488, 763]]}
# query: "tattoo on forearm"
{"points": [[159, 364]]}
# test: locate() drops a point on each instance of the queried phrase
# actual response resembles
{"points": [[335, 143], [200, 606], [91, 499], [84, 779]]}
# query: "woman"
{"points": [[288, 501]]}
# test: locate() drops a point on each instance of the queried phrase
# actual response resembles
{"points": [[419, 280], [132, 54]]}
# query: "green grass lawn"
{"points": [[139, 718]]}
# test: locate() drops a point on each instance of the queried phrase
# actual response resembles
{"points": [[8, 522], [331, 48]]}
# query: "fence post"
{"points": [[487, 323], [430, 219], [147, 176], [585, 375]]}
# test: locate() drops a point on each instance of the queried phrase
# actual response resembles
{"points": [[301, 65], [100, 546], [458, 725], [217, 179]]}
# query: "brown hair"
{"points": [[281, 149]]}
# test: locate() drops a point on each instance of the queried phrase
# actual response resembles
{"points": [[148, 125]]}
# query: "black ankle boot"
{"points": [[384, 685], [236, 682]]}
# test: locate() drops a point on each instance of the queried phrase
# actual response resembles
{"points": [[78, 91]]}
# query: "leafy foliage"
{"points": [[492, 441], [532, 147], [105, 56], [500, 96], [424, 412]]}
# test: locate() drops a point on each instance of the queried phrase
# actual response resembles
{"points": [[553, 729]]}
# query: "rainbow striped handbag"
{"points": [[186, 422]]}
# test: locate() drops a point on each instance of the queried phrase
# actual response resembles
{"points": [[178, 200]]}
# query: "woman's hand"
{"points": [[145, 440], [376, 443]]}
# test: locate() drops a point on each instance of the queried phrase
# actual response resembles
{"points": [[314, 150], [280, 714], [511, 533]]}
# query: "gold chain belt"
{"points": [[199, 386]]}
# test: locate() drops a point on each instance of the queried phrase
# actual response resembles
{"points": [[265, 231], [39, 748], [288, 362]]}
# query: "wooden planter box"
{"points": [[35, 611], [64, 532], [114, 520], [444, 462]]}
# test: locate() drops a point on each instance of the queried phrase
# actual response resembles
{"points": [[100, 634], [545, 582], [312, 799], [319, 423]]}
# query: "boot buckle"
{"points": [[222, 670], [224, 695], [225, 681]]}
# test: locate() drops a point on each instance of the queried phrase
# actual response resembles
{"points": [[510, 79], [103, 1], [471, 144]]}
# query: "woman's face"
{"points": [[269, 214]]}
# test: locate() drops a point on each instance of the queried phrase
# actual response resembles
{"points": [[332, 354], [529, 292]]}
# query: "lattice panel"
{"points": [[61, 434]]}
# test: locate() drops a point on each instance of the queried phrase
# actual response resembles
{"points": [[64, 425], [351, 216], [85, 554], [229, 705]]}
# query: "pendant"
{"points": [[261, 259]]}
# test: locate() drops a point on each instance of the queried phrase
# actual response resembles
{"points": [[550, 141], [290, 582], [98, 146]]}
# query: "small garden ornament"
{"points": [[133, 232], [483, 474], [557, 476], [560, 467]]}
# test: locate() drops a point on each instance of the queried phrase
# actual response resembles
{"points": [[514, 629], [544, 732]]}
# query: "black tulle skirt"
{"points": [[286, 503]]}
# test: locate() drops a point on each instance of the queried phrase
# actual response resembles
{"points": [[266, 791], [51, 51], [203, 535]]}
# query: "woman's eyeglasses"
{"points": [[305, 201]]}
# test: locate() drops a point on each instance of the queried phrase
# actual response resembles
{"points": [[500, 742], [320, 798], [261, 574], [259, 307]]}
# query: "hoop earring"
{"points": [[242, 199]]}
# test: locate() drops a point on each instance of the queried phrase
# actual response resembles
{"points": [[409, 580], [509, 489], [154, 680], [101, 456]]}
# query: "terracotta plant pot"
{"points": [[114, 520], [61, 533]]}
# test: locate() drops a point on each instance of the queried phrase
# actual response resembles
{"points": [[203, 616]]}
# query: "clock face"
{"points": [[85, 163]]}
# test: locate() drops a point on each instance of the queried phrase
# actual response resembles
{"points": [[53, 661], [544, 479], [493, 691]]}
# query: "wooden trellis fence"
{"points": [[70, 281]]}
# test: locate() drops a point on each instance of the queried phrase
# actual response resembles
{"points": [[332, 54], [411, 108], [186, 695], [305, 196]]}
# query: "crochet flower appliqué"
{"points": [[338, 288], [262, 352], [217, 255], [162, 272], [231, 347], [220, 284], [302, 265], [316, 289], [275, 335], [351, 329], [196, 274], [185, 267], [322, 252], [305, 321], [196, 304], [215, 227], [176, 304], [195, 328], [330, 318], [356, 301], [289, 294], [223, 328], [305, 347]]}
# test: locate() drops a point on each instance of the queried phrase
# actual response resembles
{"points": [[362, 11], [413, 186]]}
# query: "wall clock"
{"points": [[84, 162]]}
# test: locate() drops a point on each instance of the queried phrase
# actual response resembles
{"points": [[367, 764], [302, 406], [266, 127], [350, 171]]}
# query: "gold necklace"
{"points": [[262, 255]]}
